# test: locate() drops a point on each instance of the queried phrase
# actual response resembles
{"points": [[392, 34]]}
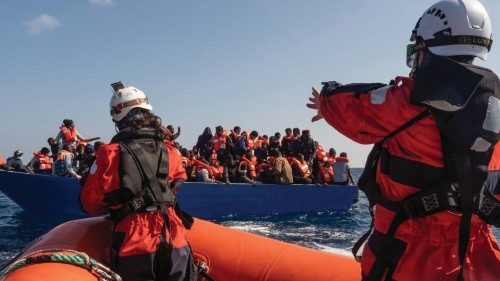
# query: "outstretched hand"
{"points": [[315, 104]]}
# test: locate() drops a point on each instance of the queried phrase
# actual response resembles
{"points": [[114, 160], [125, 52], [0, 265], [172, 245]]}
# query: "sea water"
{"points": [[327, 231]]}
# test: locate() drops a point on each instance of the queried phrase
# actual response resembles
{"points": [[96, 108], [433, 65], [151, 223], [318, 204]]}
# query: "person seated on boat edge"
{"points": [[324, 175], [247, 168], [135, 177], [300, 170], [64, 166], [69, 135], [434, 134], [222, 143], [204, 145], [341, 171], [282, 171], [55, 147], [204, 172], [332, 154], [186, 161], [265, 171], [15, 162], [41, 163]]}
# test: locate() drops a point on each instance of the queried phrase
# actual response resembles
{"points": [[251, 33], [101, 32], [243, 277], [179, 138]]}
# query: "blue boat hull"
{"points": [[60, 195]]}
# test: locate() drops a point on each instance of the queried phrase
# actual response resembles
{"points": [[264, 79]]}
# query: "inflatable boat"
{"points": [[60, 195], [79, 251]]}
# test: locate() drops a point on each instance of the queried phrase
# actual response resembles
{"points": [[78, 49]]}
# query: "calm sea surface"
{"points": [[329, 231]]}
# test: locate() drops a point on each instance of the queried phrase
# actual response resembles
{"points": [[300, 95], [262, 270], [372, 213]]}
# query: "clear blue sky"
{"points": [[202, 63]]}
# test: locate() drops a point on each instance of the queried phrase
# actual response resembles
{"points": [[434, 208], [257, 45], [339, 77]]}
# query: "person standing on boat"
{"points": [[69, 135], [341, 171], [287, 143], [222, 143], [135, 178], [41, 163], [434, 135]]}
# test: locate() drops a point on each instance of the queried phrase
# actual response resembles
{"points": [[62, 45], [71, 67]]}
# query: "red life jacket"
{"points": [[250, 142], [217, 172], [494, 164], [342, 159], [200, 165], [263, 167], [326, 174], [251, 169], [220, 141], [45, 162], [68, 135], [321, 154], [186, 163], [303, 167], [330, 159]]}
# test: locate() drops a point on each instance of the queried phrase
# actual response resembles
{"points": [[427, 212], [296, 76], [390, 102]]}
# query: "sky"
{"points": [[201, 63]]}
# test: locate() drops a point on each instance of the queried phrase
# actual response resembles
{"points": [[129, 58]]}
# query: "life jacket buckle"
{"points": [[421, 206]]}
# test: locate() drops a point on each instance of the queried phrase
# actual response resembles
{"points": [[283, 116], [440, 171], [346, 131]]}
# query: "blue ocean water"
{"points": [[324, 230]]}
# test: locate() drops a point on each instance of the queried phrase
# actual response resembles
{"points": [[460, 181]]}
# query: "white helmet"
{"points": [[126, 98], [455, 28]]}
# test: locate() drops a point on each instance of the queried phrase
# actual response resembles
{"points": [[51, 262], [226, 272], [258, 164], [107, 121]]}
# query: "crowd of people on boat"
{"points": [[222, 157]]}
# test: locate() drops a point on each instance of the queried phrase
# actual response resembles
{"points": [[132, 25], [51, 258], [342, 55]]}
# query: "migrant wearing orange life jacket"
{"points": [[186, 163], [217, 172], [45, 162], [330, 159], [301, 167], [321, 154], [411, 163], [326, 174], [2, 162], [198, 165], [68, 135], [250, 142], [260, 140], [251, 166], [219, 141]]}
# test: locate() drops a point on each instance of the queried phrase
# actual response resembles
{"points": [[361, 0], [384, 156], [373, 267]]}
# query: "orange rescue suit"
{"points": [[410, 161]]}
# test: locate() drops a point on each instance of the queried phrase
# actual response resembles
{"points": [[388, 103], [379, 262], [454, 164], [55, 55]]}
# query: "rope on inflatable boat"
{"points": [[72, 257]]}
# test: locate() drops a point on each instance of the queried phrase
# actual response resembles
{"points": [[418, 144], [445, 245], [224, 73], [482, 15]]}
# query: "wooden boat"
{"points": [[229, 255], [60, 195]]}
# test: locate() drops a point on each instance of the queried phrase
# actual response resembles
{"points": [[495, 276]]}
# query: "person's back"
{"points": [[282, 171], [64, 164], [341, 170], [135, 179], [41, 162], [422, 132]]}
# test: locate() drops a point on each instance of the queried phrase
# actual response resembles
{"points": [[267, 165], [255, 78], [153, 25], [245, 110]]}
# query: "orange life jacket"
{"points": [[186, 163], [220, 141], [321, 154], [2, 160], [250, 142], [199, 165], [217, 171], [326, 174], [68, 135], [44, 160], [342, 159], [330, 159], [263, 167], [260, 140], [302, 167], [250, 166]]}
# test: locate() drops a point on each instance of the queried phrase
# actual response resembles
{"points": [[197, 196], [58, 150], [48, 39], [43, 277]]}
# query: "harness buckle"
{"points": [[421, 206], [135, 204]]}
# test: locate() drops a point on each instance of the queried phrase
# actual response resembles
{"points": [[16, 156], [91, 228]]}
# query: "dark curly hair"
{"points": [[140, 118]]}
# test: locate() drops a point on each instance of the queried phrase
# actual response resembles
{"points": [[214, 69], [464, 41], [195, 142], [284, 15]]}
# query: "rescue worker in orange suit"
{"points": [[434, 135], [69, 135], [41, 163], [135, 178]]}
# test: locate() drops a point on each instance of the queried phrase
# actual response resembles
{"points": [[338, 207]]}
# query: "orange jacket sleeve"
{"points": [[103, 178], [366, 113]]}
